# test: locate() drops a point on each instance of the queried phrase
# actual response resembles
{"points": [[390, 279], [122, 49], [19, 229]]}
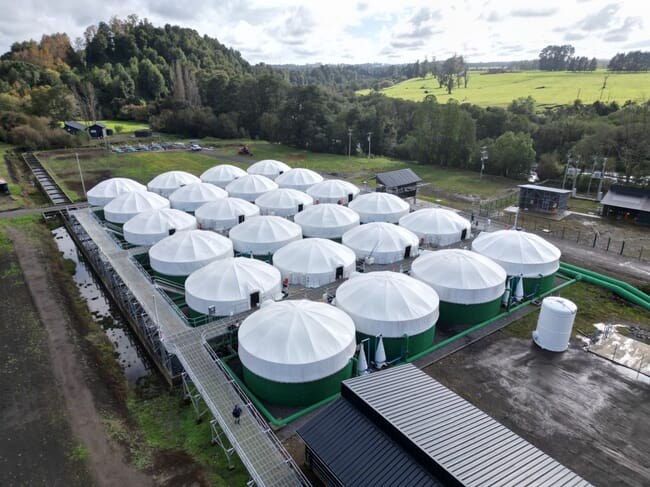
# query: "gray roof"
{"points": [[401, 177], [75, 125], [628, 198], [446, 432], [357, 453], [544, 188]]}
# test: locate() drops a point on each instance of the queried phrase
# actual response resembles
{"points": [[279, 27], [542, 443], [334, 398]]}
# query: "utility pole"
{"points": [[599, 194], [349, 143], [484, 158], [81, 176], [593, 169], [369, 141], [569, 162], [575, 177]]}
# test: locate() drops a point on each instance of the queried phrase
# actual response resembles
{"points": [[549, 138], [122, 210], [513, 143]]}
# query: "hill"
{"points": [[548, 88]]}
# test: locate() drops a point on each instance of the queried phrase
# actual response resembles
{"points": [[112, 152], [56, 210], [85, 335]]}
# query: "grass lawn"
{"points": [[16, 199], [547, 88], [127, 125]]}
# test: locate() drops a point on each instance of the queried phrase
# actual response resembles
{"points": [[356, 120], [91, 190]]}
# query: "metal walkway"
{"points": [[52, 190], [260, 451]]}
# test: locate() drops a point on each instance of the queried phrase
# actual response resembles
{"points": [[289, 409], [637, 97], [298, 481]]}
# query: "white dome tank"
{"points": [[250, 187], [333, 191], [298, 178], [184, 252], [269, 168], [437, 226], [127, 205], [232, 286], [103, 193], [150, 226], [384, 242], [190, 197], [284, 202], [555, 324], [327, 220], [222, 174], [221, 215], [379, 207], [314, 262], [263, 235], [166, 183], [296, 341], [388, 303]]}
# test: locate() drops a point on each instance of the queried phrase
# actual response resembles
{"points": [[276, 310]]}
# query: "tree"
{"points": [[548, 167], [512, 155], [151, 84], [555, 58]]}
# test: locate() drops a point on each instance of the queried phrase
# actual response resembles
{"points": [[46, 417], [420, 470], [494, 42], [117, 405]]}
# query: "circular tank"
{"points": [[400, 308], [296, 352], [437, 227], [166, 183], [314, 262], [269, 168], [555, 324], [333, 191], [470, 286], [327, 220], [221, 215], [222, 174], [522, 253], [230, 286], [190, 197], [283, 202], [175, 257], [298, 178], [250, 187], [150, 226], [263, 235], [127, 205], [382, 242], [379, 207], [103, 193]]}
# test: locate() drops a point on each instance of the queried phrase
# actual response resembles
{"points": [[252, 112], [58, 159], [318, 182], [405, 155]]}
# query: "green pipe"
{"points": [[485, 323], [624, 285]]}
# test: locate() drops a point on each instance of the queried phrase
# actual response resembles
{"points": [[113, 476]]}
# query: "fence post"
{"points": [[578, 239], [595, 238], [609, 240], [622, 247]]}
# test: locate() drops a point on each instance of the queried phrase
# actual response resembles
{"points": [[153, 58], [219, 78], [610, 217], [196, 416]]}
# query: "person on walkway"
{"points": [[236, 413]]}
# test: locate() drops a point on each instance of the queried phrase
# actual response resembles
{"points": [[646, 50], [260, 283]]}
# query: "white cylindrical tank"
{"points": [[191, 196], [283, 202], [384, 242], [263, 235], [222, 174], [250, 187], [437, 226], [379, 207], [127, 205], [327, 220], [269, 168], [221, 215], [333, 191], [298, 178], [103, 193], [166, 183], [555, 324], [151, 226]]}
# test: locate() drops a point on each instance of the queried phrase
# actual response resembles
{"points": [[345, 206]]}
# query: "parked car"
{"points": [[195, 147]]}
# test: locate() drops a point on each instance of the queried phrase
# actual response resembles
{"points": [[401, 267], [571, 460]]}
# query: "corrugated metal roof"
{"points": [[401, 177], [75, 125], [451, 433], [628, 198], [544, 188], [358, 453]]}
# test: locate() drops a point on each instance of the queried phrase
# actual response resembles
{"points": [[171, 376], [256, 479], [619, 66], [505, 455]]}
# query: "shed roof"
{"points": [[628, 198], [75, 125], [545, 188], [400, 177]]}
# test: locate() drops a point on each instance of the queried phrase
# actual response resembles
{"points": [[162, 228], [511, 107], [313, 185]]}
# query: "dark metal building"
{"points": [[97, 130], [72, 127], [403, 182], [552, 201], [628, 203], [401, 427]]}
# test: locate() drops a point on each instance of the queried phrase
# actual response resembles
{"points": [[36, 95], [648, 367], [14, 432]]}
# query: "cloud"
{"points": [[417, 30], [621, 33], [492, 16], [574, 36], [533, 12], [599, 20], [638, 45]]}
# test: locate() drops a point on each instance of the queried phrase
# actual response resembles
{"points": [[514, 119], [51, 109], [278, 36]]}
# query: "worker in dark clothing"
{"points": [[236, 413]]}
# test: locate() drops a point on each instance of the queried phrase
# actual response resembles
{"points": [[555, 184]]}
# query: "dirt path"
{"points": [[106, 459]]}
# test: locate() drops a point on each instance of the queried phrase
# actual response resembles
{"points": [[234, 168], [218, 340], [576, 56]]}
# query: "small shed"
{"points": [[552, 201], [97, 130], [73, 127], [402, 183], [4, 186], [628, 203]]}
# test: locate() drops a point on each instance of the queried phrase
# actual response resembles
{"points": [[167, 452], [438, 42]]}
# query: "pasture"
{"points": [[548, 88]]}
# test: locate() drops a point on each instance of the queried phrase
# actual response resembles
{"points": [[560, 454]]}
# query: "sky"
{"points": [[354, 32]]}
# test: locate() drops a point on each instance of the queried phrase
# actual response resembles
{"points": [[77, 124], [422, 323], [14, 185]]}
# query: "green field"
{"points": [[547, 88], [143, 166], [127, 125]]}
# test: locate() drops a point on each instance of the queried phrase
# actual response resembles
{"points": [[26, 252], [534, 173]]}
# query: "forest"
{"points": [[183, 83]]}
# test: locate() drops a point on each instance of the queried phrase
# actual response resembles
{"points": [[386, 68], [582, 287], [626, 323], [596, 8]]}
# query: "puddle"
{"points": [[621, 349], [131, 357]]}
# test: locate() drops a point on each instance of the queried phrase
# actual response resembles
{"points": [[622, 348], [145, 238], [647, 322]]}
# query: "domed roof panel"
{"points": [[191, 196], [379, 207], [269, 168], [298, 178], [127, 205], [283, 202], [222, 174], [164, 184], [104, 192], [327, 220], [250, 187], [223, 214], [437, 226], [333, 191], [264, 234], [384, 242]]}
